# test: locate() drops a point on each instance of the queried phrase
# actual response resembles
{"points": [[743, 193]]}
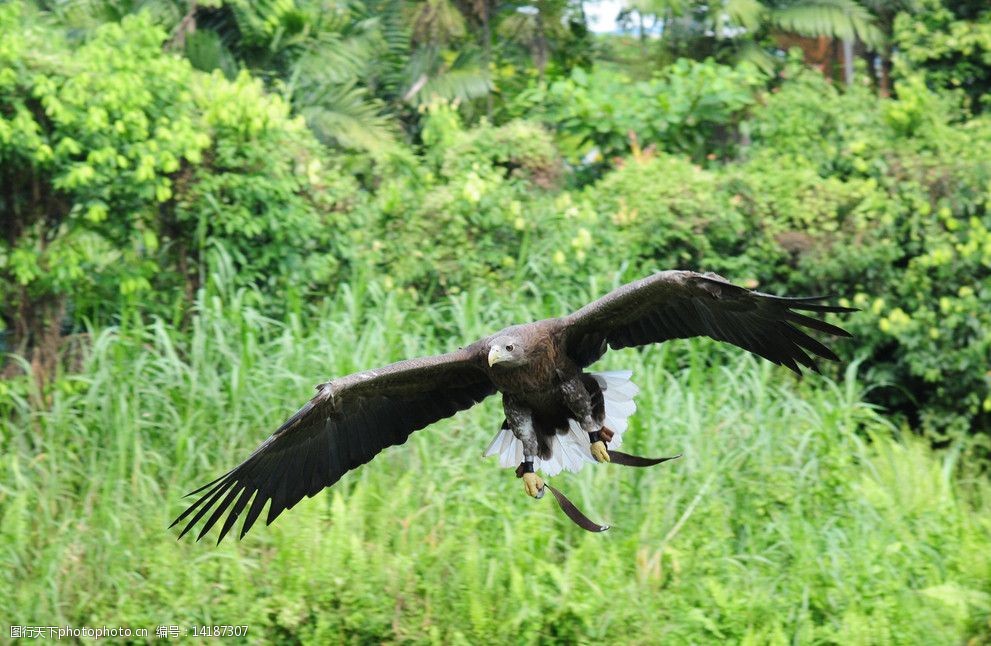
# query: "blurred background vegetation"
{"points": [[208, 207]]}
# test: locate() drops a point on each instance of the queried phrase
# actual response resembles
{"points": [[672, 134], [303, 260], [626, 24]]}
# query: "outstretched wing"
{"points": [[681, 304], [344, 426]]}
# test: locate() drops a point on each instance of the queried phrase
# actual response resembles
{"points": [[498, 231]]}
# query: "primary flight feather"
{"points": [[557, 415]]}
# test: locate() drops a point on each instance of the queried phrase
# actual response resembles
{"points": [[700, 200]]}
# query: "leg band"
{"points": [[527, 466], [594, 437]]}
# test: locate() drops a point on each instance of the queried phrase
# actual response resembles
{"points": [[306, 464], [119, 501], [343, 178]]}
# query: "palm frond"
{"points": [[437, 22], [391, 78], [348, 116], [751, 52], [266, 23], [427, 78], [455, 85], [842, 19], [748, 14], [206, 51], [331, 58]]}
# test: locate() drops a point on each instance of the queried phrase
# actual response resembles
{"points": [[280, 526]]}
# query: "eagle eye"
{"points": [[509, 347]]}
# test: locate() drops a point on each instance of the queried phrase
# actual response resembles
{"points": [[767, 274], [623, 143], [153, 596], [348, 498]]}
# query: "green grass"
{"points": [[797, 514]]}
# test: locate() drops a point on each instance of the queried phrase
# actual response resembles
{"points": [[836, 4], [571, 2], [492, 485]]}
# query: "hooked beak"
{"points": [[497, 354]]}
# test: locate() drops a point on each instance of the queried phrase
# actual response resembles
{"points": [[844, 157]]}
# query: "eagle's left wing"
{"points": [[344, 426], [681, 304]]}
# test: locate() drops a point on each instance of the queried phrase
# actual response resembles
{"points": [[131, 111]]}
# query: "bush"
{"points": [[669, 213], [809, 118], [123, 166], [950, 45], [522, 149], [690, 108], [479, 209], [889, 201], [881, 201]]}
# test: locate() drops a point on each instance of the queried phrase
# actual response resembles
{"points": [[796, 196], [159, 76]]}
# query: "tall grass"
{"points": [[797, 514]]}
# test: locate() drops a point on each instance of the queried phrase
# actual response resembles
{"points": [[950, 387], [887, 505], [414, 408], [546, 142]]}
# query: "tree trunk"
{"points": [[487, 51], [848, 62], [884, 82], [643, 35], [36, 335], [541, 47]]}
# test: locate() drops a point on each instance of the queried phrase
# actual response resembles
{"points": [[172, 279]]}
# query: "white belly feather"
{"points": [[570, 451]]}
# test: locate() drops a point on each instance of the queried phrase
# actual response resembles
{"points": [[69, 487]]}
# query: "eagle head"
{"points": [[507, 350]]}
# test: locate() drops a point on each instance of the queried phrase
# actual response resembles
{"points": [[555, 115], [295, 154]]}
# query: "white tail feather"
{"points": [[570, 451]]}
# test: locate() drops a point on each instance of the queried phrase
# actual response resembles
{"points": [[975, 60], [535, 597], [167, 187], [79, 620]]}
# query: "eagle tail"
{"points": [[570, 451]]}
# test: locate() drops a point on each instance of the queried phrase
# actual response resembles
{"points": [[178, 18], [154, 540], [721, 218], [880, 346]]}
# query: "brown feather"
{"points": [[345, 425], [353, 418], [680, 304]]}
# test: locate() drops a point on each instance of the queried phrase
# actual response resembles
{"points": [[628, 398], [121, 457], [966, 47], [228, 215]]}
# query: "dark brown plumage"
{"points": [[538, 367]]}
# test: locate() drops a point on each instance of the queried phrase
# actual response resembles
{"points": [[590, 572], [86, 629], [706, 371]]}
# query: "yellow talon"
{"points": [[599, 451], [533, 484]]}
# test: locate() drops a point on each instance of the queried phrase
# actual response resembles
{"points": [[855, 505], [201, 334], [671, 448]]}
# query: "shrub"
{"points": [[522, 149], [885, 202], [691, 108], [670, 213], [809, 118], [123, 166], [481, 208], [950, 45]]}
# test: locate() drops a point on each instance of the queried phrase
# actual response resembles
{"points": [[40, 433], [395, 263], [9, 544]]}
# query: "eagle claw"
{"points": [[533, 485], [599, 451]]}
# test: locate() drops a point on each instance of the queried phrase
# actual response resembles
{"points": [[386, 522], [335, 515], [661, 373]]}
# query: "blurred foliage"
{"points": [[668, 212], [131, 175], [908, 237], [358, 70], [122, 166], [949, 43], [471, 213], [196, 222], [798, 513], [734, 31], [691, 107]]}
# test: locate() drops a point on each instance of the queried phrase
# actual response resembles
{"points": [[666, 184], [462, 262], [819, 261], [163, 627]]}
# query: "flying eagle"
{"points": [[557, 415]]}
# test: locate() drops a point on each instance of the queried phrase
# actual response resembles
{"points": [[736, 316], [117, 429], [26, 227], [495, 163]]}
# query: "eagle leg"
{"points": [[520, 421], [533, 485], [599, 440], [580, 402], [599, 451], [598, 447]]}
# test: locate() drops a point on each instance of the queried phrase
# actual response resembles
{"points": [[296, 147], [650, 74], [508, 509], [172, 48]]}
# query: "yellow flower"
{"points": [[474, 188], [583, 240], [313, 171]]}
